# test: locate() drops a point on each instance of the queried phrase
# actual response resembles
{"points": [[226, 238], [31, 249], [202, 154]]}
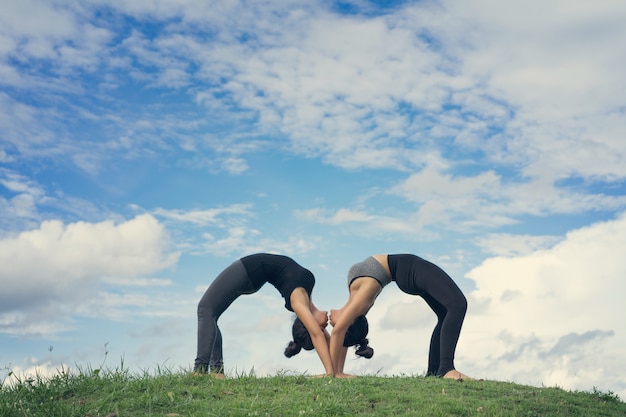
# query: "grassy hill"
{"points": [[171, 394]]}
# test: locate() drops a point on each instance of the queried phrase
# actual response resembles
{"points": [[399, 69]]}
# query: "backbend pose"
{"points": [[413, 275], [246, 276]]}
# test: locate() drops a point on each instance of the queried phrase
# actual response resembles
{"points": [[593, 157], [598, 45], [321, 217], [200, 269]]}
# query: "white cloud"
{"points": [[48, 272], [234, 165], [580, 272], [502, 244], [225, 231], [361, 222], [340, 216], [21, 208], [349, 110], [39, 372], [555, 65], [21, 125], [489, 200], [428, 74], [36, 19], [138, 282], [240, 241], [204, 217], [40, 31], [233, 241]]}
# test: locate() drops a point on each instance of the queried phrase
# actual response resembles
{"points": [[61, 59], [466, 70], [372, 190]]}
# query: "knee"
{"points": [[459, 306], [463, 306], [463, 303], [205, 311]]}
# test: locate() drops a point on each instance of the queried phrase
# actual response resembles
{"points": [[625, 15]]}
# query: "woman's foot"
{"points": [[216, 371], [454, 374]]}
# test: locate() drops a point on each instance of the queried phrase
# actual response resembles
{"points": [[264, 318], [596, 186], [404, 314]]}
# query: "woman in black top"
{"points": [[246, 276], [413, 275]]}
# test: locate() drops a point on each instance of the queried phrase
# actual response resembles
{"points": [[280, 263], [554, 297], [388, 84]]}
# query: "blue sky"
{"points": [[146, 145]]}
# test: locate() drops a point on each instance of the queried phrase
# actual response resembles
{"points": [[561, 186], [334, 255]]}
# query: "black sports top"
{"points": [[281, 271]]}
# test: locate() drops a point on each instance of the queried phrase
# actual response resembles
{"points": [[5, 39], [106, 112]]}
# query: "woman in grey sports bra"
{"points": [[413, 275], [370, 267]]}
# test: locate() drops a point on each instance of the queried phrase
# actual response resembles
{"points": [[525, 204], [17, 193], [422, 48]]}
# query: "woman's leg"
{"points": [[216, 364], [448, 302], [415, 275], [434, 353], [225, 289]]}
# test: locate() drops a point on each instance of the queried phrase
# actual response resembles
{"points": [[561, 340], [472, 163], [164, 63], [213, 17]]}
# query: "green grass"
{"points": [[119, 393]]}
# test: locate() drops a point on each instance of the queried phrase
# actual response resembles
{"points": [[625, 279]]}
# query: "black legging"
{"points": [[228, 285], [418, 276]]}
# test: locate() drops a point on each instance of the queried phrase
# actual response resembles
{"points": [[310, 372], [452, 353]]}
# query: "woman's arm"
{"points": [[342, 360], [300, 304], [363, 292], [341, 321]]}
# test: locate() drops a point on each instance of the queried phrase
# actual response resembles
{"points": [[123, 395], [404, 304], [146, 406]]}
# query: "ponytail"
{"points": [[301, 339], [292, 349], [362, 349], [356, 336]]}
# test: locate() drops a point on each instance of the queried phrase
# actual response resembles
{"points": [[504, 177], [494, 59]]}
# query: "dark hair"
{"points": [[355, 336], [362, 349], [301, 339]]}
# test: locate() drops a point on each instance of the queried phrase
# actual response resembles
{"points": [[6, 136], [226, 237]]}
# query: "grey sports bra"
{"points": [[370, 267]]}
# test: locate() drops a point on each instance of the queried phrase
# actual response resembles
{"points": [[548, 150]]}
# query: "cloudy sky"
{"points": [[146, 145]]}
